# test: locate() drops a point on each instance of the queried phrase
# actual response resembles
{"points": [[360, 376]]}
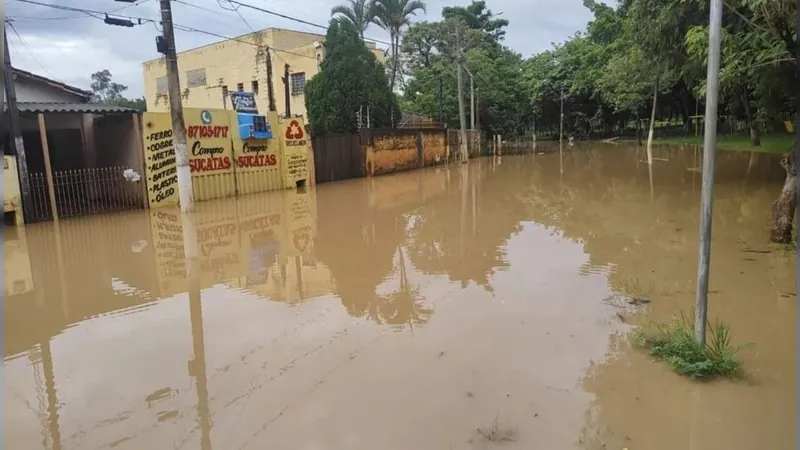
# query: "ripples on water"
{"points": [[406, 311]]}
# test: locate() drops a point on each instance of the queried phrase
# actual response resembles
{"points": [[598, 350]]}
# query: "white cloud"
{"points": [[72, 47]]}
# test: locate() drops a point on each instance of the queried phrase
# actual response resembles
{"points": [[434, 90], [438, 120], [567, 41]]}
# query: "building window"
{"points": [[240, 87], [298, 81], [254, 87], [162, 86], [196, 77]]}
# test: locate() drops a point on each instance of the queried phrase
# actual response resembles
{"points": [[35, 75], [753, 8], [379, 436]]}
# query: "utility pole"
{"points": [[176, 110], [16, 132], [471, 101], [461, 113], [286, 93], [709, 156], [561, 124], [270, 88], [441, 102]]}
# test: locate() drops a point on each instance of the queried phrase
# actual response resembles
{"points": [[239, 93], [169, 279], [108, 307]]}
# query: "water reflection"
{"points": [[112, 339]]}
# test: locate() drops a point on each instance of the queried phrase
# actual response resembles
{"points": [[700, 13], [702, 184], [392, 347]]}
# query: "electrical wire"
{"points": [[144, 19], [295, 19], [24, 44]]}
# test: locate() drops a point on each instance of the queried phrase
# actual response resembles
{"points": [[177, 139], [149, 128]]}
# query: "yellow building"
{"points": [[208, 73]]}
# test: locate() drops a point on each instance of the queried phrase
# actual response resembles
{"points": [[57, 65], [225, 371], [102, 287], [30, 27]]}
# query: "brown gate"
{"points": [[338, 157]]}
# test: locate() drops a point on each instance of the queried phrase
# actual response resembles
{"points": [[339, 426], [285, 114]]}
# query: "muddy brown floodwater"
{"points": [[449, 308]]}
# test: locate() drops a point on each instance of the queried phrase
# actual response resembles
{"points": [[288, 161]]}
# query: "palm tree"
{"points": [[393, 16], [359, 12]]}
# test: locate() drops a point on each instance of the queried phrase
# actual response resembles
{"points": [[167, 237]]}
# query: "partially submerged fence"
{"points": [[83, 191], [377, 152]]}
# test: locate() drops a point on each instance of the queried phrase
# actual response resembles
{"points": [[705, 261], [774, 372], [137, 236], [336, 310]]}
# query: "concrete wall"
{"points": [[230, 62], [404, 149], [32, 91]]}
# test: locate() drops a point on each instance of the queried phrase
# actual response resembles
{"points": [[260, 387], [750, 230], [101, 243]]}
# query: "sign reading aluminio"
{"points": [[244, 102], [162, 178]]}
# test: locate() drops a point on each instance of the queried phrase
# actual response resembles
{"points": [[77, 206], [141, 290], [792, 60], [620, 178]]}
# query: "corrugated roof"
{"points": [[58, 107]]}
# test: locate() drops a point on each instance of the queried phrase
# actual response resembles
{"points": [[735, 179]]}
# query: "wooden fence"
{"points": [[376, 152]]}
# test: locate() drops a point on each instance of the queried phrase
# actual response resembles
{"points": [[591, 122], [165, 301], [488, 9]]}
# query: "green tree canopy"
{"points": [[350, 79]]}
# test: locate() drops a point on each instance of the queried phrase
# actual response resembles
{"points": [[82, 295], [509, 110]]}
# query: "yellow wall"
{"points": [[242, 61], [222, 164], [11, 195]]}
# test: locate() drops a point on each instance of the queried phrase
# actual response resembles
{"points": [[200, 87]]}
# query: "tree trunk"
{"points": [[652, 123], [393, 49], [638, 127], [784, 207], [755, 139]]}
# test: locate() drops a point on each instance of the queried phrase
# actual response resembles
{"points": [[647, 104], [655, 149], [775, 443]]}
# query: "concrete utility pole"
{"points": [[270, 88], [471, 98], [16, 132], [176, 110], [709, 156], [561, 123], [441, 104], [461, 113]]}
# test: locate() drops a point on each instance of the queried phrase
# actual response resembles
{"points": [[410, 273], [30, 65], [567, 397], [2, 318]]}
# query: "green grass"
{"points": [[674, 343], [770, 143]]}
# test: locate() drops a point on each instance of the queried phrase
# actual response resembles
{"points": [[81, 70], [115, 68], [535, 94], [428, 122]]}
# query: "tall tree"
{"points": [[350, 78], [359, 12], [104, 90], [394, 16]]}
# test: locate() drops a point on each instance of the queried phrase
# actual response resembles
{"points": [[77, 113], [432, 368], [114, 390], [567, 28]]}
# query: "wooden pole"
{"points": [[16, 132], [270, 88], [47, 167]]}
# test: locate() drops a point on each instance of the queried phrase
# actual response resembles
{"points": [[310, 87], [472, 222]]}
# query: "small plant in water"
{"points": [[674, 343]]}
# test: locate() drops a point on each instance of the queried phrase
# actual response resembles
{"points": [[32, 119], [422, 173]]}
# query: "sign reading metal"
{"points": [[244, 102]]}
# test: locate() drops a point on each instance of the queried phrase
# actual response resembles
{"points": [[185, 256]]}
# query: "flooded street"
{"points": [[460, 307]]}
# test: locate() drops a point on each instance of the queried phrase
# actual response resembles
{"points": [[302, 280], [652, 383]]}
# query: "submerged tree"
{"points": [[351, 78]]}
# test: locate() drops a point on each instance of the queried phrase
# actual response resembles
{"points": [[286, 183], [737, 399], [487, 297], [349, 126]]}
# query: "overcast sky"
{"points": [[69, 46]]}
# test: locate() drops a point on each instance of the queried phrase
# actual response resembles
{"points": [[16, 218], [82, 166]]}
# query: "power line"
{"points": [[144, 19], [295, 19], [24, 44]]}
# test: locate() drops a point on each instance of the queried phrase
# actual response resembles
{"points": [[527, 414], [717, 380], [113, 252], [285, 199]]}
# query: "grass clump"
{"points": [[674, 343]]}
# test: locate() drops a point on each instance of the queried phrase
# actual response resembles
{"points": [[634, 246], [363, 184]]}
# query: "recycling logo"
{"points": [[294, 130]]}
